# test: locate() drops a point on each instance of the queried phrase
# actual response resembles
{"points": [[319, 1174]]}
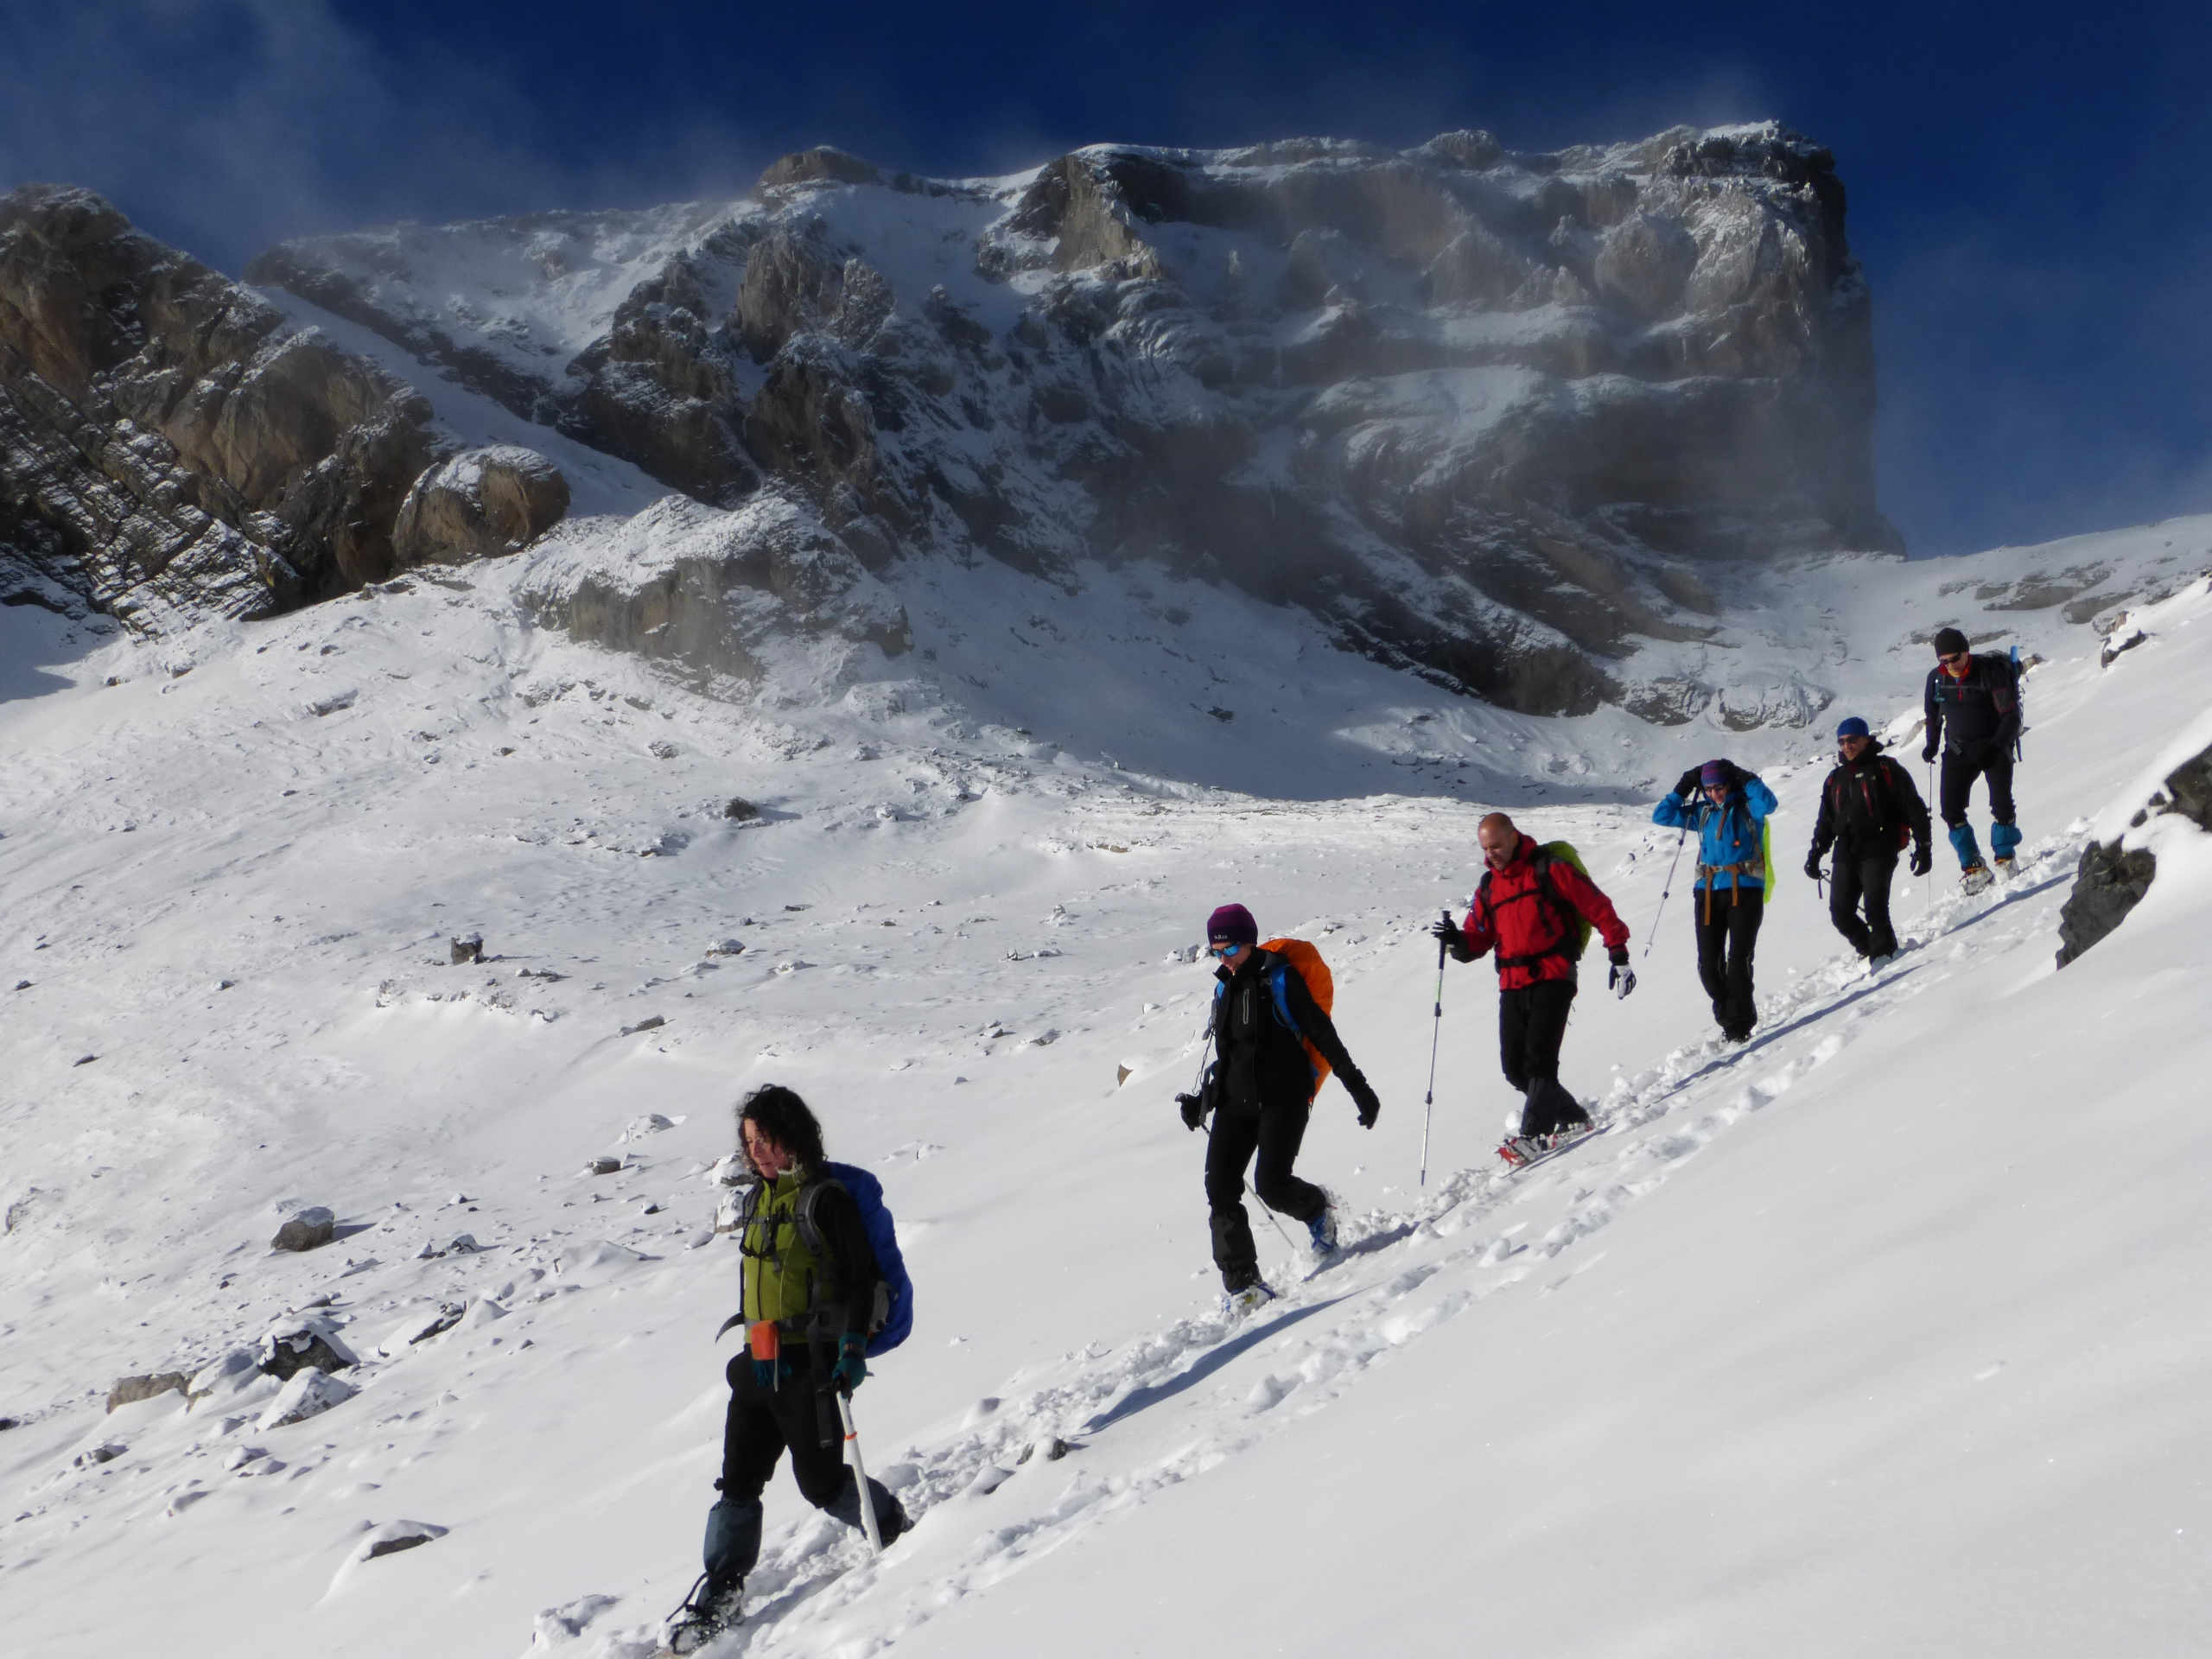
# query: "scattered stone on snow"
{"points": [[106, 1453], [310, 1229], [651, 1022], [459, 1245], [604, 1165], [1122, 1074], [334, 701], [307, 1342], [420, 1327], [468, 947], [727, 947], [738, 810], [85, 1060], [651, 1123], [309, 1394], [128, 1390], [2119, 643], [395, 1536]]}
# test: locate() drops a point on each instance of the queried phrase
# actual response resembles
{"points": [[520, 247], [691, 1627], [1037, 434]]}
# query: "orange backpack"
{"points": [[1305, 961]]}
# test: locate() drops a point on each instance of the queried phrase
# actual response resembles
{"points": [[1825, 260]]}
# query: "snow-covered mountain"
{"points": [[1529, 425], [1873, 1336]]}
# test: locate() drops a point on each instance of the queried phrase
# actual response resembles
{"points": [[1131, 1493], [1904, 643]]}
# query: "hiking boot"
{"points": [[2003, 865], [1975, 877], [1322, 1230], [1875, 964]]}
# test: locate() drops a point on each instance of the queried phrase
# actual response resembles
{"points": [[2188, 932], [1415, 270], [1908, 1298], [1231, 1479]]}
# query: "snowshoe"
{"points": [[1975, 878], [706, 1614], [2004, 867], [1243, 1300]]}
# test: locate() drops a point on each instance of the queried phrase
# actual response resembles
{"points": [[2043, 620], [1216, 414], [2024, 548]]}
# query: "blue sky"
{"points": [[2030, 186]]}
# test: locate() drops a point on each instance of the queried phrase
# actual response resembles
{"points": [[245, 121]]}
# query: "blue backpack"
{"points": [[893, 1320]]}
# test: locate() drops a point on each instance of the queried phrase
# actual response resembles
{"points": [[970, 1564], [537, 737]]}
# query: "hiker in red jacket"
{"points": [[1527, 910]]}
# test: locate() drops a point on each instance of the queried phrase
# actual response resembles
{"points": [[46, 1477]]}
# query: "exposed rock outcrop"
{"points": [[479, 505], [170, 446], [2112, 877], [1485, 412], [716, 592]]}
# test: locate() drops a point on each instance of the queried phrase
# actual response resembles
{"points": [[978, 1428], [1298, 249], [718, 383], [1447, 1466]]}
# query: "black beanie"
{"points": [[1949, 641]]}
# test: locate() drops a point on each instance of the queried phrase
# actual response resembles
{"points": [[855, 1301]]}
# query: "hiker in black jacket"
{"points": [[1869, 811], [1259, 1089], [1973, 705]]}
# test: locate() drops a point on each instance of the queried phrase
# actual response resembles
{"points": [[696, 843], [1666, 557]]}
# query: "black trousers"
{"points": [[1275, 1132], [1725, 943], [763, 1422], [1531, 1026], [1957, 784], [1856, 880]]}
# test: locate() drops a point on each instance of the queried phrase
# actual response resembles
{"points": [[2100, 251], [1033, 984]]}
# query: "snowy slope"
{"points": [[1873, 1335]]}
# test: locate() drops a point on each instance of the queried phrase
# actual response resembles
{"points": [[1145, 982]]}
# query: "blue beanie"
{"points": [[1853, 727]]}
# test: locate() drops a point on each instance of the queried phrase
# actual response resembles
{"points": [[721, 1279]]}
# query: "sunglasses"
{"points": [[1223, 952], [1953, 657]]}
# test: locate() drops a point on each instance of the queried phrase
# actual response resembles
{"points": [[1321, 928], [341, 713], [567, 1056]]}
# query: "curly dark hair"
{"points": [[784, 1118]]}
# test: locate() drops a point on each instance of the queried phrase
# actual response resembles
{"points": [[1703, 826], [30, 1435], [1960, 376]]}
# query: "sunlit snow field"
{"points": [[1883, 1334]]}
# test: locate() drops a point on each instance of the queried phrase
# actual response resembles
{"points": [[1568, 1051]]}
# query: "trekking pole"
{"points": [[1666, 892], [860, 1472], [1931, 841], [1428, 1106]]}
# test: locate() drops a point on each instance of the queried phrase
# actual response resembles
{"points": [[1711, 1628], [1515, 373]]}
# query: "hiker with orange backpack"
{"points": [[1728, 808], [1274, 1045], [1534, 908]]}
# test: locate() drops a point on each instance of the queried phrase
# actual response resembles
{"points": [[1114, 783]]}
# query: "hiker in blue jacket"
{"points": [[1727, 808]]}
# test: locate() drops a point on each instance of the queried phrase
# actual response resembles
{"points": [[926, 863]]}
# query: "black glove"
{"points": [[1448, 932], [1686, 786], [1363, 1096], [1193, 1109], [1928, 754], [1923, 857], [1812, 866]]}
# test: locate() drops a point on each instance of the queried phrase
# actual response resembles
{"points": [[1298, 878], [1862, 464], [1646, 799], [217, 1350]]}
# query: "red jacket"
{"points": [[1519, 922]]}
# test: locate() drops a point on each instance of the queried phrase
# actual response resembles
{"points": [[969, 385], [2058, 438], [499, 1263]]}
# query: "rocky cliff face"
{"points": [[1498, 418], [169, 448]]}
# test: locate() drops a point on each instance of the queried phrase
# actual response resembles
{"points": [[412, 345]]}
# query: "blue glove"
{"points": [[851, 1369]]}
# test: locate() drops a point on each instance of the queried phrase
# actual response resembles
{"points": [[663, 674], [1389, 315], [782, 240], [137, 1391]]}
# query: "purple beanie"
{"points": [[1716, 774], [1232, 924]]}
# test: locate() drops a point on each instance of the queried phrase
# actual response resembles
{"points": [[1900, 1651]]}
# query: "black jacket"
{"points": [[1974, 715], [1259, 1061], [1869, 806]]}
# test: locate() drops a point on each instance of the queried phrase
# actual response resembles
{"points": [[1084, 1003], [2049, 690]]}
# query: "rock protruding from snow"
{"points": [[308, 1342], [479, 505], [2113, 877], [128, 1390], [724, 593], [307, 1229], [309, 1394]]}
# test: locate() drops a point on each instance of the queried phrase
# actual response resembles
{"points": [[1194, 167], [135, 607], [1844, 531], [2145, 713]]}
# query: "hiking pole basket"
{"points": [[860, 1472], [1428, 1106]]}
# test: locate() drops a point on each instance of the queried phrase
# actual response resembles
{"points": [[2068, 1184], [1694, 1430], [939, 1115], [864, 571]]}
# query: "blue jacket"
{"points": [[1727, 833]]}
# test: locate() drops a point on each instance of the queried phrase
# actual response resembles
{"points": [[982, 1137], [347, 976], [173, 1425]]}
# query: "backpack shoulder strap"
{"points": [[803, 1215]]}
